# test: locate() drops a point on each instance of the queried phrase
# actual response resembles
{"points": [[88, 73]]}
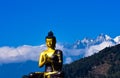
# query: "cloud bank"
{"points": [[20, 54], [96, 48], [27, 52]]}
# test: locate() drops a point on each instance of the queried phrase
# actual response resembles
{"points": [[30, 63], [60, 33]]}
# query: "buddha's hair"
{"points": [[51, 36]]}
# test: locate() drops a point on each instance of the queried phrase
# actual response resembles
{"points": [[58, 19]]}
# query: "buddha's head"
{"points": [[50, 40]]}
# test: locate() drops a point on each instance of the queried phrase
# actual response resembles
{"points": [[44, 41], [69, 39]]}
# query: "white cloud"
{"points": [[117, 39], [21, 53], [73, 52], [68, 60], [96, 48], [27, 52], [59, 46]]}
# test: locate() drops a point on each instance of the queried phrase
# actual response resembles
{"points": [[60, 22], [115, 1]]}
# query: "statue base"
{"points": [[45, 75]]}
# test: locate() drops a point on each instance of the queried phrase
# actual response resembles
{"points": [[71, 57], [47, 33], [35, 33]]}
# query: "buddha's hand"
{"points": [[48, 59], [46, 56]]}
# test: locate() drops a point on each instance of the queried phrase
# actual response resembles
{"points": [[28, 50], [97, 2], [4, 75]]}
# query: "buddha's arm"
{"points": [[42, 59]]}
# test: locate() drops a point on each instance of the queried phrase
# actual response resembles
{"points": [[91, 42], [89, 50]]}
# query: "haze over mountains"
{"points": [[16, 61]]}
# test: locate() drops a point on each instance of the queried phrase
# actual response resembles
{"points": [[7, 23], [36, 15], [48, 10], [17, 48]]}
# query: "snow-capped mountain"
{"points": [[117, 39], [87, 46], [83, 43], [87, 42], [103, 37]]}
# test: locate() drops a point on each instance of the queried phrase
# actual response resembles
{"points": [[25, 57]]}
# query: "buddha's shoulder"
{"points": [[43, 52]]}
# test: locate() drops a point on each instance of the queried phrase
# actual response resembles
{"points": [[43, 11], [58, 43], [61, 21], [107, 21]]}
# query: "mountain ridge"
{"points": [[87, 42], [104, 64]]}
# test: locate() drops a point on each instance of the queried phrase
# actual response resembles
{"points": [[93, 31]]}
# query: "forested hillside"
{"points": [[104, 64]]}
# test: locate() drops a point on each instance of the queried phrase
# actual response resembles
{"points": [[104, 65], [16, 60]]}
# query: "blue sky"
{"points": [[26, 22]]}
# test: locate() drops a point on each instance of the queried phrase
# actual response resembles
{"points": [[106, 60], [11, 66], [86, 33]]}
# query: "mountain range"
{"points": [[87, 47], [71, 52], [105, 64], [87, 42]]}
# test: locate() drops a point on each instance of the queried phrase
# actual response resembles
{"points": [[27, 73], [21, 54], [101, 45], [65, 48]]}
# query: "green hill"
{"points": [[104, 64]]}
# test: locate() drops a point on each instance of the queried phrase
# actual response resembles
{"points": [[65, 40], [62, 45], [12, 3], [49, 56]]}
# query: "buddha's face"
{"points": [[49, 42]]}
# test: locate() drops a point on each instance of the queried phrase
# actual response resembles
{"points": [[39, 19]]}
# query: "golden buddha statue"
{"points": [[51, 58]]}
